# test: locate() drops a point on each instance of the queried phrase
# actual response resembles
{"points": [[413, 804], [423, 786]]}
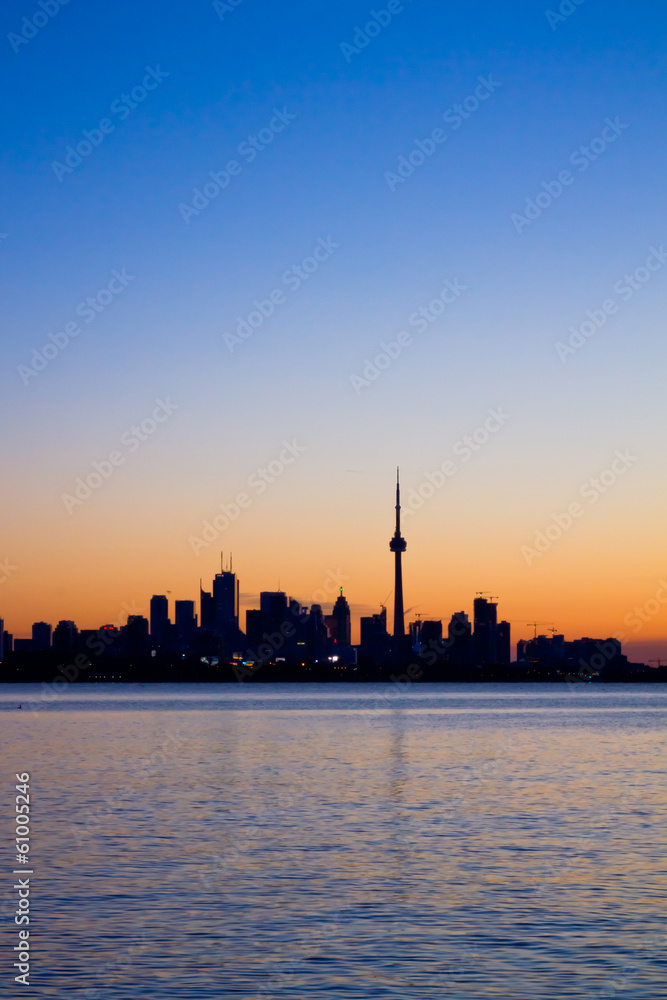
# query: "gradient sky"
{"points": [[324, 177]]}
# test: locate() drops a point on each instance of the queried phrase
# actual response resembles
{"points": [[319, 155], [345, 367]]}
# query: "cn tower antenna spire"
{"points": [[398, 545]]}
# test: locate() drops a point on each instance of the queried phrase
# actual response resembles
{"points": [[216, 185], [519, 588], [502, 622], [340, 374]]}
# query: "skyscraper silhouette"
{"points": [[398, 545], [159, 618], [339, 621]]}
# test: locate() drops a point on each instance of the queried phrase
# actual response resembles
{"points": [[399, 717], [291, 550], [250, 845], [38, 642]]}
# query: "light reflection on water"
{"points": [[303, 841]]}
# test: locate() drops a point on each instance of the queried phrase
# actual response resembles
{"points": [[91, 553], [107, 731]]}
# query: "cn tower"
{"points": [[398, 545]]}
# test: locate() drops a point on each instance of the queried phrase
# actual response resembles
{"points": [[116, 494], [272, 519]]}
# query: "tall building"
{"points": [[485, 635], [206, 609], [41, 636], [339, 622], [504, 644], [2, 639], [65, 637], [431, 634], [398, 545], [225, 599], [459, 639], [159, 619], [135, 640], [274, 608], [186, 625], [254, 622], [375, 642]]}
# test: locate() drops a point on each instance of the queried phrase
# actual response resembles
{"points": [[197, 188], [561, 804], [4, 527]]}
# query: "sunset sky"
{"points": [[354, 191]]}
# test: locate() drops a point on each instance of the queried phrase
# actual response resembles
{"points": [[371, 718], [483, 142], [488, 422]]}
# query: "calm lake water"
{"points": [[295, 841]]}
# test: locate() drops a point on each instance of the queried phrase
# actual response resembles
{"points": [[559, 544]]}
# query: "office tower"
{"points": [[312, 636], [135, 640], [2, 639], [398, 545], [339, 622], [41, 636], [485, 633], [274, 609], [375, 642], [186, 625], [459, 639], [225, 599], [7, 643], [254, 621], [206, 609], [65, 637], [159, 619], [431, 634], [503, 644]]}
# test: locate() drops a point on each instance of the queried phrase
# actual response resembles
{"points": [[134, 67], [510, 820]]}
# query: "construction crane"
{"points": [[535, 624], [659, 662]]}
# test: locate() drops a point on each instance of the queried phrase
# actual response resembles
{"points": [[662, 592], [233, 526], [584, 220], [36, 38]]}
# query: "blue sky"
{"points": [[323, 177]]}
